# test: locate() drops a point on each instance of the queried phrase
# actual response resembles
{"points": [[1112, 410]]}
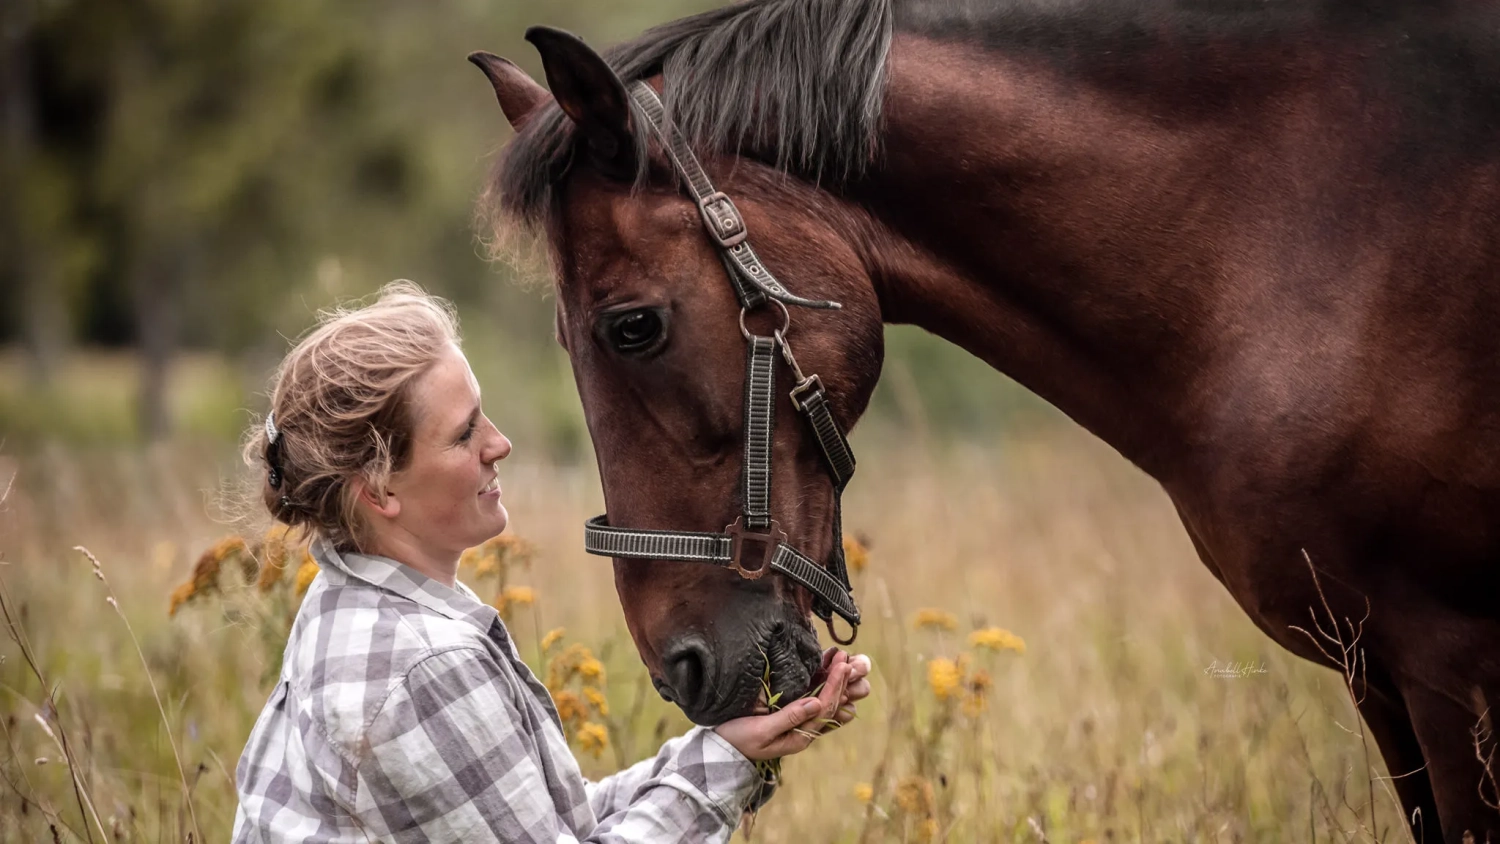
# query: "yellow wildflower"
{"points": [[523, 596], [477, 561], [270, 573], [944, 677], [569, 707], [593, 738], [511, 548], [914, 796], [573, 656], [181, 595], [205, 578], [306, 571], [597, 700], [563, 667], [592, 670], [935, 619], [495, 555], [856, 555], [976, 696], [468, 558], [974, 704], [274, 557], [997, 639], [488, 565], [864, 792], [553, 637]]}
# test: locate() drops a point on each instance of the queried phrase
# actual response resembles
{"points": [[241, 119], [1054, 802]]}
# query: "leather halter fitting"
{"points": [[754, 543]]}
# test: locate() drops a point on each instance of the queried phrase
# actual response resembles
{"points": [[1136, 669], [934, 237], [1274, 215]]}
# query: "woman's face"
{"points": [[449, 490]]}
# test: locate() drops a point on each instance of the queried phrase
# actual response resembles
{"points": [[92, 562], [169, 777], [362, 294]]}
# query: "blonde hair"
{"points": [[340, 403]]}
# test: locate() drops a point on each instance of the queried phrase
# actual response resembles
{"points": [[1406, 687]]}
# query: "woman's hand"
{"points": [[793, 728]]}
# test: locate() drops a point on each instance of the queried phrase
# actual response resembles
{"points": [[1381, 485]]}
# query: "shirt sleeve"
{"points": [[450, 757], [709, 763]]}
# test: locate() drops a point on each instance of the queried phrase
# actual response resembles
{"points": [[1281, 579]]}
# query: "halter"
{"points": [[754, 544]]}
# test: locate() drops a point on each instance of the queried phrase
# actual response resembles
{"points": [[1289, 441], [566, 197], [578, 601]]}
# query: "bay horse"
{"points": [[1253, 246]]}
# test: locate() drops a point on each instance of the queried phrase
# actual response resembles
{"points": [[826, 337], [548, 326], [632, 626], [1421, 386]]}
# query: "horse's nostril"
{"points": [[662, 689], [688, 665]]}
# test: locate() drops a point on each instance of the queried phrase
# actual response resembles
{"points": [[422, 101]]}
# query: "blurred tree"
{"points": [[196, 147], [35, 194], [206, 173]]}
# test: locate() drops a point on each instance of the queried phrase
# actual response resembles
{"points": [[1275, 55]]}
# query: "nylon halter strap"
{"points": [[754, 544]]}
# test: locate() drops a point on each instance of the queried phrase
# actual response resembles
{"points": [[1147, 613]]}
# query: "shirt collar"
{"points": [[457, 602]]}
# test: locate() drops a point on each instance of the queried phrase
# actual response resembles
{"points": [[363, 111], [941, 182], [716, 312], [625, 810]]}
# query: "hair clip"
{"points": [[273, 453]]}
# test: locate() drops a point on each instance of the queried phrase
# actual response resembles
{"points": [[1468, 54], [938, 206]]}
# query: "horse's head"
{"points": [[652, 324]]}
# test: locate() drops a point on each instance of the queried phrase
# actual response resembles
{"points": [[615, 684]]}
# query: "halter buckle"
{"points": [[722, 219], [810, 384], [761, 545]]}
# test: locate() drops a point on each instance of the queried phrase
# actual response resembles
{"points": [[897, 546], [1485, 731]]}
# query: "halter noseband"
{"points": [[754, 544]]}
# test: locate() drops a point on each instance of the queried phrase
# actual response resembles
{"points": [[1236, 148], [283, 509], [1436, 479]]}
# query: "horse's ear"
{"points": [[590, 94], [518, 93]]}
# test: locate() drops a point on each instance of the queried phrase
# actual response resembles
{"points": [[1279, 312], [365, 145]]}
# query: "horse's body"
{"points": [[1285, 317], [1256, 252]]}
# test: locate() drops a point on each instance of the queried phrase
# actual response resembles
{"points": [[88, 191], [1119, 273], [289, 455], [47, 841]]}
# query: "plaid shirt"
{"points": [[403, 713]]}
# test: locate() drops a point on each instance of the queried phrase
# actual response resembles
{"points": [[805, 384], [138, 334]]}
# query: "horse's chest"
{"points": [[1286, 563], [1386, 560]]}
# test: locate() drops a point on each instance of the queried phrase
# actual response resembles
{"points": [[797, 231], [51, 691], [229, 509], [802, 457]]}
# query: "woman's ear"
{"points": [[381, 501]]}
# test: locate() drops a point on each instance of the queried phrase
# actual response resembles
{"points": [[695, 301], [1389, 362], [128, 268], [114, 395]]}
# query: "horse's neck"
{"points": [[1049, 234]]}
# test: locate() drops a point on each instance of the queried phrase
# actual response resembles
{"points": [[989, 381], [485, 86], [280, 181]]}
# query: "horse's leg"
{"points": [[1389, 722], [1464, 790]]}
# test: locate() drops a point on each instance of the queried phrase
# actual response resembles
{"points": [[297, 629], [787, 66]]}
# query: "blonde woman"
{"points": [[403, 712]]}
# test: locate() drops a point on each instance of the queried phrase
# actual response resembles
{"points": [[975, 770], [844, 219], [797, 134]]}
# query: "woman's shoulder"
{"points": [[354, 644]]}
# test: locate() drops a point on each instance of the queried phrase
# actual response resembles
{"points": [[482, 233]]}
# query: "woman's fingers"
{"points": [[791, 718], [857, 690], [859, 666], [763, 736], [792, 728], [833, 691]]}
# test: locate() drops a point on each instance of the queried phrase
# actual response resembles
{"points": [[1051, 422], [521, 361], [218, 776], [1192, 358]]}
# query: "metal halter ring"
{"points": [[786, 320]]}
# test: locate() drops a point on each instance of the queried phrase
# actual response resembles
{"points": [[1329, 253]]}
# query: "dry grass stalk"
{"points": [[187, 789]]}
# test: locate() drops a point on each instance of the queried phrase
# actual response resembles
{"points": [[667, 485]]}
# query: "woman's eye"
{"points": [[635, 331]]}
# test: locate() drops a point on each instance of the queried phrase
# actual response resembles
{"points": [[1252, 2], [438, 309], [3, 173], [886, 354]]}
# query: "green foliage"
{"points": [[239, 161], [208, 175]]}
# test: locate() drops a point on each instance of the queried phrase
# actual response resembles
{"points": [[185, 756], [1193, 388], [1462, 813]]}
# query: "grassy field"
{"points": [[1143, 706]]}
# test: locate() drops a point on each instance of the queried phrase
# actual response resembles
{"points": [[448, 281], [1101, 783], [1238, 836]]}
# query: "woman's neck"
{"points": [[406, 549]]}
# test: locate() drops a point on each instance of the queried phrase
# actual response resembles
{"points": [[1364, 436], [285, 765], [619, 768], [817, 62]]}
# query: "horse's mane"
{"points": [[799, 84], [738, 78]]}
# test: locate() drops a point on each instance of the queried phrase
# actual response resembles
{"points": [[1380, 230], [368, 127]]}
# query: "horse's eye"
{"points": [[635, 331]]}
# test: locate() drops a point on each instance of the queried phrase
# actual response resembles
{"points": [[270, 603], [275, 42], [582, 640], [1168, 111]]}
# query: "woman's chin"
{"points": [[500, 519]]}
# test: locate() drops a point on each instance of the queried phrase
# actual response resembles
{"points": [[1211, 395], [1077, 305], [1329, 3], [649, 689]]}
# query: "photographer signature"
{"points": [[1234, 670]]}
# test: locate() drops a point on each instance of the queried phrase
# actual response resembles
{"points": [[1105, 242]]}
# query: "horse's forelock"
{"points": [[736, 79]]}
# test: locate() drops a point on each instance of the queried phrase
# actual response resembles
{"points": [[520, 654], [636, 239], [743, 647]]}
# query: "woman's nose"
{"points": [[499, 449]]}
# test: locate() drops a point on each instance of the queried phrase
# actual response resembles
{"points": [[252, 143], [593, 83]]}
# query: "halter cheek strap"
{"points": [[754, 543]]}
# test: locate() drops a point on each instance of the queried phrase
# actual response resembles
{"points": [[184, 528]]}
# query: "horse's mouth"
{"points": [[814, 685], [791, 667], [778, 662]]}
